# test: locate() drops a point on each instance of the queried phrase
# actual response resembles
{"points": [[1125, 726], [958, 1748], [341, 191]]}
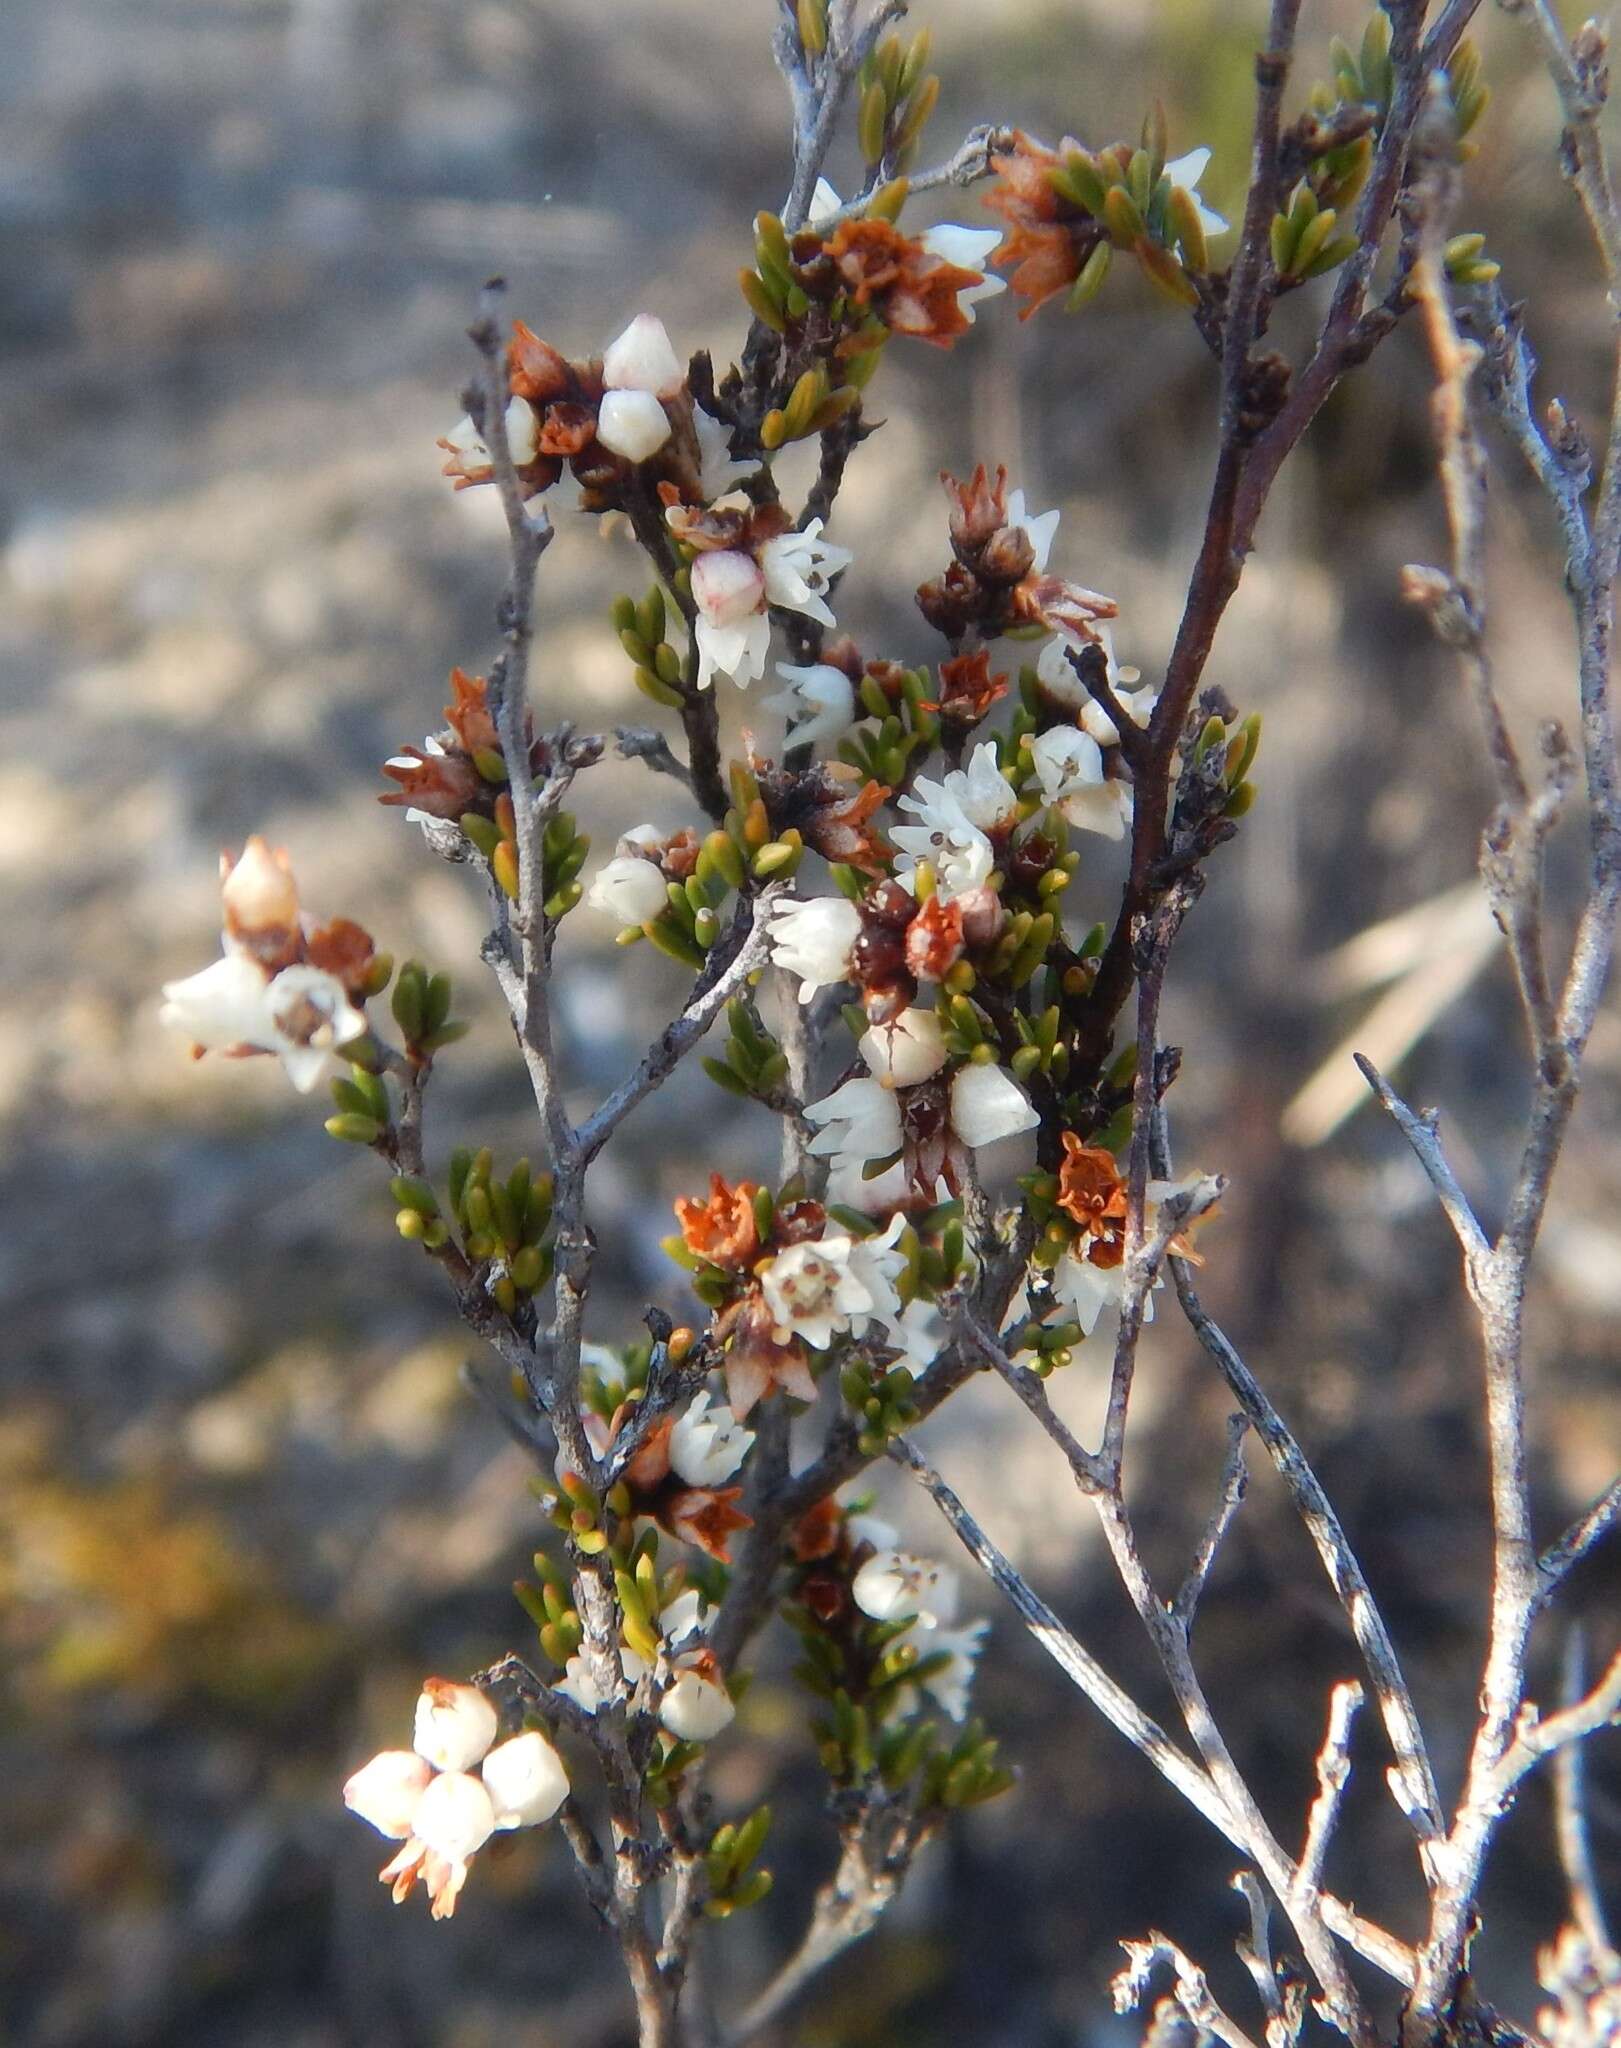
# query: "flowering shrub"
{"points": [[901, 912]]}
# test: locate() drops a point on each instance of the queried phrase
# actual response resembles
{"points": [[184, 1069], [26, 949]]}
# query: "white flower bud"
{"points": [[696, 1709], [628, 888], [525, 1779], [455, 1725], [387, 1791], [707, 1447], [632, 424], [258, 891], [221, 1006], [895, 1586], [813, 940], [820, 702], [455, 1816], [910, 1050], [987, 1104], [642, 359], [727, 586]]}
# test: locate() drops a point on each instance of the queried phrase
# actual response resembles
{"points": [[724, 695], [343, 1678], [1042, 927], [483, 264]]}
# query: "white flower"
{"points": [[578, 1684], [825, 202], [1059, 680], [525, 1779], [642, 359], [987, 1104], [798, 568], [387, 1790], [523, 439], [455, 1725], [1038, 530], [1069, 767], [877, 1263], [968, 249], [222, 1006], [455, 1817], [307, 1014], [707, 1446], [1186, 171], [859, 1121], [257, 892], [905, 1052], [948, 1687], [696, 1708], [718, 469], [629, 888], [1087, 1290], [733, 632], [812, 1292], [687, 1614], [820, 697], [954, 817], [893, 1585], [632, 424], [813, 940], [917, 1333], [848, 1188]]}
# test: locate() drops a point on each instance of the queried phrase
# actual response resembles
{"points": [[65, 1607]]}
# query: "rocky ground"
{"points": [[244, 1502]]}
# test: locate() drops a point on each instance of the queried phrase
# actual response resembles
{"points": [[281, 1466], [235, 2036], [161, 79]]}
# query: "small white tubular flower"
{"points": [[910, 1050], [629, 888], [983, 791], [1059, 680], [706, 1444], [917, 1333], [696, 1708], [525, 1779], [987, 1104], [733, 632], [812, 1291], [642, 359], [893, 1585], [1087, 1290], [455, 1816], [819, 702], [968, 249], [523, 437], [308, 1014], [1186, 171], [1069, 767], [632, 424], [719, 471], [954, 818], [388, 1790], [876, 1264], [798, 567], [825, 202], [813, 940], [859, 1121], [222, 1006], [848, 1186], [455, 1725], [687, 1614], [949, 1686], [1039, 528]]}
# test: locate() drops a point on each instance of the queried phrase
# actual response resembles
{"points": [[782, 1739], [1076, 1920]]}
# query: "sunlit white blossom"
{"points": [[221, 1006], [988, 1104], [632, 424], [628, 888], [860, 1120], [967, 249], [455, 1816], [910, 1049], [525, 1779], [643, 359], [1186, 171], [706, 1444], [812, 1291], [387, 1791], [949, 1686], [695, 1707], [1069, 768], [798, 568], [455, 1724], [1039, 528], [893, 1585], [307, 1016], [523, 438], [813, 940], [955, 817], [819, 703], [733, 632]]}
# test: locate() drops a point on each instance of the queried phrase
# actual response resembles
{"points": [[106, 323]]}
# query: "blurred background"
{"points": [[244, 1502]]}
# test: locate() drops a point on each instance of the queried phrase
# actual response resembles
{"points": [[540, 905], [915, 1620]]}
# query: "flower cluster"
{"points": [[283, 985], [444, 1798]]}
